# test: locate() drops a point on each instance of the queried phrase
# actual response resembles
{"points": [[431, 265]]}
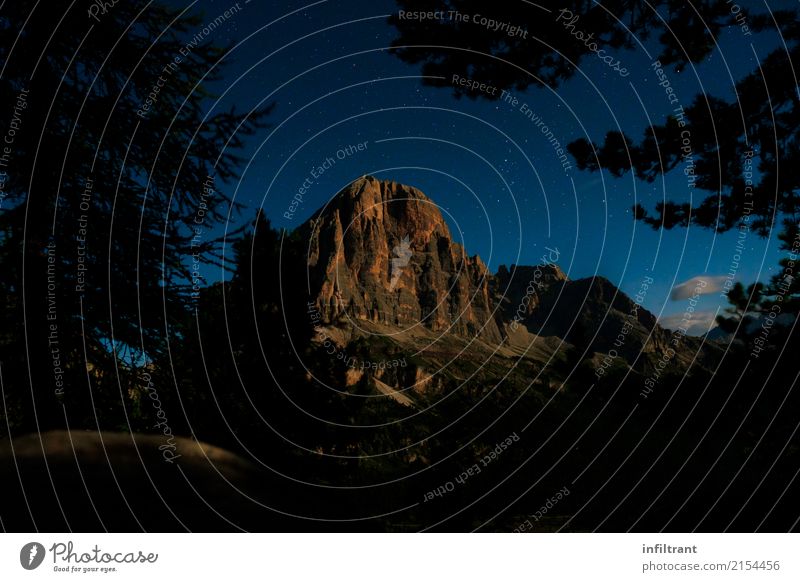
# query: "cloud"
{"points": [[688, 288], [700, 322]]}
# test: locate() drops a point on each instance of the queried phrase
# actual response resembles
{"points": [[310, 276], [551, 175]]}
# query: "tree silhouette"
{"points": [[115, 164], [527, 44], [742, 302], [743, 151], [760, 125]]}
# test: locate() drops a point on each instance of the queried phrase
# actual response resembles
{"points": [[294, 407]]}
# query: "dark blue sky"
{"points": [[495, 176]]}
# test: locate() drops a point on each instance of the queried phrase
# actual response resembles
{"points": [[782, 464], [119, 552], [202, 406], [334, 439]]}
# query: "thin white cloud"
{"points": [[700, 322], [694, 285]]}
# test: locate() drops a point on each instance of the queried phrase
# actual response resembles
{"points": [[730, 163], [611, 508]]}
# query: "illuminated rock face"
{"points": [[381, 252]]}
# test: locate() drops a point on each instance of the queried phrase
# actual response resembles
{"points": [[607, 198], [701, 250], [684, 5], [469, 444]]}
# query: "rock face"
{"points": [[381, 252], [519, 289], [594, 312]]}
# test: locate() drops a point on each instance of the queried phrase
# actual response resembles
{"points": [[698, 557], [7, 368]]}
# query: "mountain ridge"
{"points": [[382, 262]]}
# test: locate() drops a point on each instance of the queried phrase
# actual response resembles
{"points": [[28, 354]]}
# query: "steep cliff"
{"points": [[381, 252]]}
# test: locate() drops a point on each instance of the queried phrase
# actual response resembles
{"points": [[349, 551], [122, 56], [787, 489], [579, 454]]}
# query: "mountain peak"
{"points": [[369, 186], [381, 251], [372, 208]]}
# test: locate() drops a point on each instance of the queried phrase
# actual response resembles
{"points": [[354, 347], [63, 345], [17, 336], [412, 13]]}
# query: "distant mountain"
{"points": [[719, 335], [751, 324], [594, 314]]}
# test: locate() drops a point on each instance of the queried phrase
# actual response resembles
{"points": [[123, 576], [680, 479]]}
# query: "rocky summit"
{"points": [[381, 252]]}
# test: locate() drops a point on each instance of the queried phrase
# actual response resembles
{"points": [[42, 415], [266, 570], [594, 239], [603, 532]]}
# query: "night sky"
{"points": [[495, 176]]}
